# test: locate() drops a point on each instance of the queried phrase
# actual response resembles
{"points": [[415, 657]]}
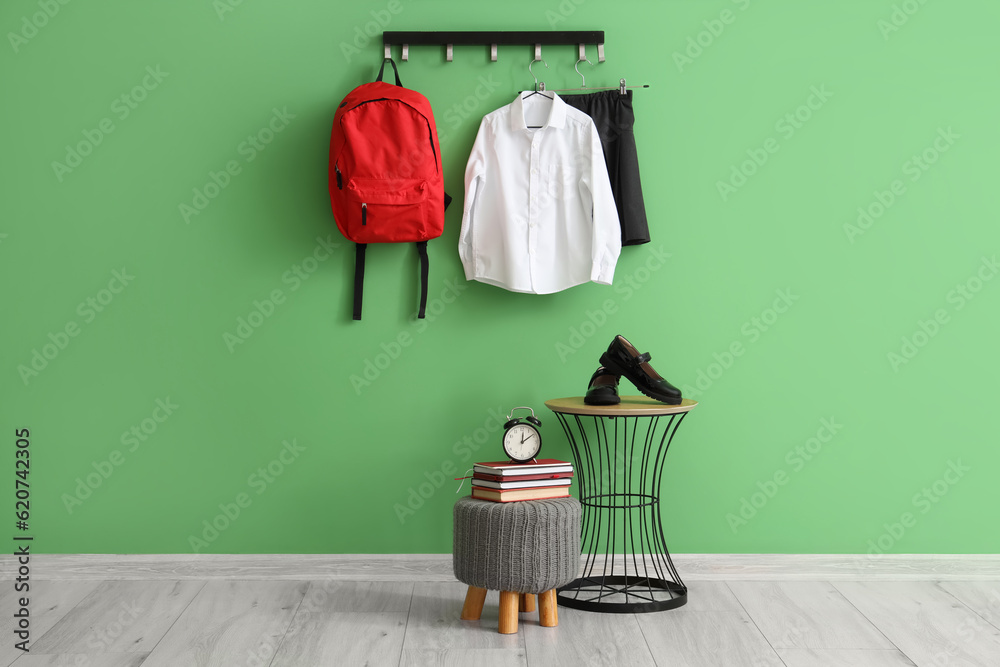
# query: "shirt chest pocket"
{"points": [[563, 182], [555, 184]]}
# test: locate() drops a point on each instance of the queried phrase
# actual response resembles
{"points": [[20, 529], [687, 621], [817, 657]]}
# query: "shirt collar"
{"points": [[557, 112]]}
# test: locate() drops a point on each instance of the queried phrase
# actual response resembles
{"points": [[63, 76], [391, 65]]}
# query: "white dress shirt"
{"points": [[539, 214]]}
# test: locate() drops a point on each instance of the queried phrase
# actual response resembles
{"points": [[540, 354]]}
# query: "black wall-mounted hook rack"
{"points": [[448, 39]]}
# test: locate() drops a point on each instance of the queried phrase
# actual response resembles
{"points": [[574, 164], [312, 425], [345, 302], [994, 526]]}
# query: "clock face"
{"points": [[522, 442]]}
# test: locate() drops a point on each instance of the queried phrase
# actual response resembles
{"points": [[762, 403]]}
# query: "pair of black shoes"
{"points": [[621, 359]]}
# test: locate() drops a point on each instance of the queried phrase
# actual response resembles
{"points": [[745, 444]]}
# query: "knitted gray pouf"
{"points": [[529, 546]]}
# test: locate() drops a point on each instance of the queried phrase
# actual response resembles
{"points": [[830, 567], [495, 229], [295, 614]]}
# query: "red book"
{"points": [[538, 466], [511, 495]]}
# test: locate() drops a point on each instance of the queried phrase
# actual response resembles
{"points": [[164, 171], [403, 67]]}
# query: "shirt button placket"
{"points": [[534, 188]]}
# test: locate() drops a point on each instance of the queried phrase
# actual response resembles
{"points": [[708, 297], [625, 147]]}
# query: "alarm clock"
{"points": [[521, 439]]}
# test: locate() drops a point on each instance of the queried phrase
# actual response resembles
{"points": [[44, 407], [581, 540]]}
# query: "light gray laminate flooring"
{"points": [[243, 623]]}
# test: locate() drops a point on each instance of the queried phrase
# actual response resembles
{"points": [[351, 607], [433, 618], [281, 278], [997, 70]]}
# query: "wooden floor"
{"points": [[155, 623]]}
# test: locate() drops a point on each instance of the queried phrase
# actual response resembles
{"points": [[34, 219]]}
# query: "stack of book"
{"points": [[503, 481]]}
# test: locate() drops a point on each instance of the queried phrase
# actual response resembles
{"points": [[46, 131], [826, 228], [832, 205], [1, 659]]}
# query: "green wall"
{"points": [[887, 326]]}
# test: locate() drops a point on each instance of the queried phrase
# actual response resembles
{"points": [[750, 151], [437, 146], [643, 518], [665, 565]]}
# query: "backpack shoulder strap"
{"points": [[359, 277], [424, 271]]}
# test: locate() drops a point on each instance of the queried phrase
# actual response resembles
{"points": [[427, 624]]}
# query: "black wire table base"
{"points": [[619, 461], [601, 594]]}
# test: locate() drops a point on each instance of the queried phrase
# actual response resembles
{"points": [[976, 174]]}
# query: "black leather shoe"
{"points": [[622, 358], [603, 389]]}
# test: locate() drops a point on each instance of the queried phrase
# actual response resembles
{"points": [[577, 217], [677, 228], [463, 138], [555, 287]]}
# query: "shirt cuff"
{"points": [[603, 272], [470, 269]]}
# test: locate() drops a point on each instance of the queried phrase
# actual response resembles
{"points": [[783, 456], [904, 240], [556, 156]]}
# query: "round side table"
{"points": [[619, 453]]}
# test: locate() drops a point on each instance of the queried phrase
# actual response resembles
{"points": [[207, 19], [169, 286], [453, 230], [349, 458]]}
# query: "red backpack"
{"points": [[385, 173]]}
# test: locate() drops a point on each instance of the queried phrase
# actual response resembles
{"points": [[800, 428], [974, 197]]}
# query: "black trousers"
{"points": [[613, 115]]}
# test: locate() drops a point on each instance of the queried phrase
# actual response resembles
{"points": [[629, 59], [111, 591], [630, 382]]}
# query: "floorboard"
{"points": [[359, 596], [434, 621], [457, 657], [926, 622], [806, 614], [983, 597], [82, 660], [711, 596], [843, 657], [48, 603], [120, 617], [586, 638], [686, 638], [342, 638], [230, 623]]}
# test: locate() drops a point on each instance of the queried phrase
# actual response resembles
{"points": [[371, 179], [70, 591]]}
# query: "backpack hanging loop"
{"points": [[381, 69]]}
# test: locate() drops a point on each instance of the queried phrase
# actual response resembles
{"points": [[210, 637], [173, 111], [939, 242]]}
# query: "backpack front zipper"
{"points": [[364, 213]]}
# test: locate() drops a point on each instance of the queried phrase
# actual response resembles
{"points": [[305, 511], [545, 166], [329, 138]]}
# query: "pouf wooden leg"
{"points": [[473, 607], [527, 602], [508, 612], [548, 616]]}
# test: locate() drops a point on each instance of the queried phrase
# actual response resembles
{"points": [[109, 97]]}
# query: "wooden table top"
{"points": [[630, 406]]}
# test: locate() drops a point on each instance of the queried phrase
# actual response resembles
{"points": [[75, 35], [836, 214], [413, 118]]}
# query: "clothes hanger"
{"points": [[582, 59], [539, 85], [621, 87]]}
